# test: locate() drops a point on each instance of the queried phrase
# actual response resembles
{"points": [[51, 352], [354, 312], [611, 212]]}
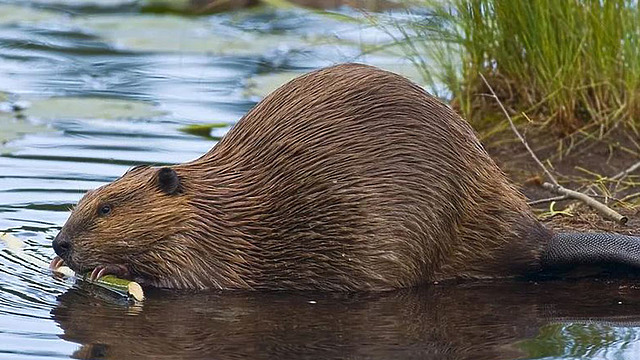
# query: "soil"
{"points": [[588, 161]]}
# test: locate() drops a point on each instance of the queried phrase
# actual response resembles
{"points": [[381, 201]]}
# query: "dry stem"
{"points": [[554, 187], [515, 130], [551, 199], [621, 175], [600, 207]]}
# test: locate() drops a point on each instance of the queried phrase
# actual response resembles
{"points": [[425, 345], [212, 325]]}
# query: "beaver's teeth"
{"points": [[94, 273], [101, 273], [56, 263]]}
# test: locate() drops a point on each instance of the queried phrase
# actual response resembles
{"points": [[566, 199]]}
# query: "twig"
{"points": [[554, 186], [600, 207], [630, 197], [564, 197], [551, 199], [621, 175], [515, 130]]}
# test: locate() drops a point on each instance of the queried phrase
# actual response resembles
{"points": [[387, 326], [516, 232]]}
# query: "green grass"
{"points": [[569, 64]]}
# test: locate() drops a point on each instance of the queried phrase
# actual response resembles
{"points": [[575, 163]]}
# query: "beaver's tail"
{"points": [[570, 249]]}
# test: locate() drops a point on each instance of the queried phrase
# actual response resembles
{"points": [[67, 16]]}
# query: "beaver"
{"points": [[479, 321], [344, 179]]}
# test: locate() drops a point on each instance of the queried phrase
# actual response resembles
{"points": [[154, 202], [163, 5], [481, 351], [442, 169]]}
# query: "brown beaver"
{"points": [[347, 178], [480, 321]]}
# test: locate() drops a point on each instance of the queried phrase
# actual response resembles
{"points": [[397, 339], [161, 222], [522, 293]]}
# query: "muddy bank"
{"points": [[581, 163]]}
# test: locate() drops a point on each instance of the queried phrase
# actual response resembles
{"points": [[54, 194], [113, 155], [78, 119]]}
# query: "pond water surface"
{"points": [[90, 88]]}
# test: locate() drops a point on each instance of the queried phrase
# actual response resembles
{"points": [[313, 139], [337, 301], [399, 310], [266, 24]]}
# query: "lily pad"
{"points": [[263, 84], [11, 14], [165, 33], [204, 130], [91, 108], [12, 127]]}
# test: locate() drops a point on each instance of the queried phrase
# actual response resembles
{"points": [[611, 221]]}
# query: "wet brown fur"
{"points": [[347, 178]]}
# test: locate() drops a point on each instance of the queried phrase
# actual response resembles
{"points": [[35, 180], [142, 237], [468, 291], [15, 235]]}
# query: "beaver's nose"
{"points": [[61, 245]]}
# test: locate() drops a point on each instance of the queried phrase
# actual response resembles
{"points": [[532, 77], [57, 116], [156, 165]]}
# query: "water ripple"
{"points": [[102, 87]]}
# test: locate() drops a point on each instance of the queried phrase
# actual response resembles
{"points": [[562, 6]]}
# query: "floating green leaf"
{"points": [[88, 108], [203, 130]]}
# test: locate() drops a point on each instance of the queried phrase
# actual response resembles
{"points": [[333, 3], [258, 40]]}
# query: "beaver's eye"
{"points": [[104, 210]]}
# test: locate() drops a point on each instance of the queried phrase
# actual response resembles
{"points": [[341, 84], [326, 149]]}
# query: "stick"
{"points": [[554, 187], [630, 197], [595, 204], [112, 283], [542, 201], [116, 285], [621, 175], [515, 130]]}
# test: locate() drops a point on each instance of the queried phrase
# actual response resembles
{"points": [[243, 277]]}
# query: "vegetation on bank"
{"points": [[570, 65]]}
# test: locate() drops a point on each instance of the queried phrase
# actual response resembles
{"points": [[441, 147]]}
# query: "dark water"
{"points": [[90, 88]]}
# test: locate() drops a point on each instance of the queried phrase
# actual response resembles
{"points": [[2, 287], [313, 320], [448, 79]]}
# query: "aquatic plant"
{"points": [[570, 65]]}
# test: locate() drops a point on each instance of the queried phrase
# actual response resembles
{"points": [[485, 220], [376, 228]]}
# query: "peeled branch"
{"points": [[556, 188], [122, 287], [112, 283], [598, 206]]}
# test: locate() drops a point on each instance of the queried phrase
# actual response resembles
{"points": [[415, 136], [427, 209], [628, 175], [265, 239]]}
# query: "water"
{"points": [[90, 88]]}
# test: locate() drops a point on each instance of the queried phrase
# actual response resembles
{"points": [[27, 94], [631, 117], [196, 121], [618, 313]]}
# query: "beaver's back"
{"points": [[353, 177]]}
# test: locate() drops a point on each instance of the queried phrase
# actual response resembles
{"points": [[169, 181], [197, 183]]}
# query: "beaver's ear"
{"points": [[168, 180]]}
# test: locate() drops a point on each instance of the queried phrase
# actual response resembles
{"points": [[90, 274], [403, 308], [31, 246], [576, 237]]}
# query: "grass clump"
{"points": [[571, 65]]}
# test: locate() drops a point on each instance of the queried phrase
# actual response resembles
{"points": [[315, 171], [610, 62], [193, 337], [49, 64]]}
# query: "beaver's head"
{"points": [[128, 227]]}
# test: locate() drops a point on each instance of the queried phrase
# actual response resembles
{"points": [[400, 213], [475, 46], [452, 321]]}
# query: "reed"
{"points": [[570, 65]]}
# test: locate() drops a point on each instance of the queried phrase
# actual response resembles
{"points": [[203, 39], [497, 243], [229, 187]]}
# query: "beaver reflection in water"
{"points": [[347, 178]]}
